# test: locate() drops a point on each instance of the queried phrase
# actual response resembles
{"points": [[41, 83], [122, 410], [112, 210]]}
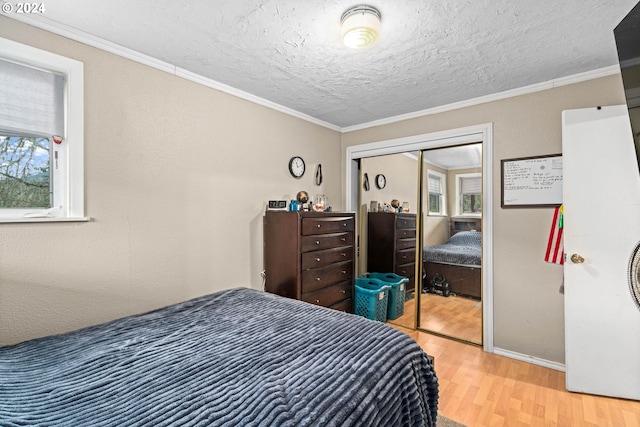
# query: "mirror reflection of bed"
{"points": [[450, 297]]}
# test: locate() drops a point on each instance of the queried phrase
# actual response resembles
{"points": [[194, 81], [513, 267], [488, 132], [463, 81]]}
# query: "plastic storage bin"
{"points": [[372, 298], [397, 291]]}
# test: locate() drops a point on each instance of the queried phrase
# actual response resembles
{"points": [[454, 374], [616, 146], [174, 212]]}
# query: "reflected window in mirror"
{"points": [[469, 193], [436, 185]]}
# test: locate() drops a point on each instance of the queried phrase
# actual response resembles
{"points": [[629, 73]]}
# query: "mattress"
{"points": [[463, 248], [236, 357]]}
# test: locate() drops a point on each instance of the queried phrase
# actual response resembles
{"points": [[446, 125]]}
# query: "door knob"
{"points": [[577, 259]]}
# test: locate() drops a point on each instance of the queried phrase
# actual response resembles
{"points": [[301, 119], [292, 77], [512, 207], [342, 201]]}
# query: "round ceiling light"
{"points": [[360, 26]]}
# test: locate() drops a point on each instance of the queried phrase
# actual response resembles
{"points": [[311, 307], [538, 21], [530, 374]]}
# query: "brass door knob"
{"points": [[577, 259]]}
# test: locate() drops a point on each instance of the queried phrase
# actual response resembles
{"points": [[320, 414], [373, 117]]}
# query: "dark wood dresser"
{"points": [[310, 256], [391, 244]]}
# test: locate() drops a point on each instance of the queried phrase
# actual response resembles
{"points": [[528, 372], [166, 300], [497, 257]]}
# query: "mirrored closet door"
{"points": [[450, 298], [388, 222], [444, 291]]}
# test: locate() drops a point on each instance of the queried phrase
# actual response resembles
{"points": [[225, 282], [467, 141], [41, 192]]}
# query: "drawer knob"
{"points": [[344, 292], [317, 242], [318, 225], [317, 259], [317, 301], [343, 255], [344, 224], [344, 239], [344, 271], [317, 279]]}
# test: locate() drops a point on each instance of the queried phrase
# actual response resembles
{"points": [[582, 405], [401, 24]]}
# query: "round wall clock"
{"points": [[296, 166], [381, 181]]}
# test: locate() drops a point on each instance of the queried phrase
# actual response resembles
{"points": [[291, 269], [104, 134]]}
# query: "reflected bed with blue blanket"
{"points": [[458, 261], [463, 248], [234, 358]]}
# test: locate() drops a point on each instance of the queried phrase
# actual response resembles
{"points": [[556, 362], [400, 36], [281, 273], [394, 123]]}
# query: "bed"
{"points": [[459, 261], [236, 357]]}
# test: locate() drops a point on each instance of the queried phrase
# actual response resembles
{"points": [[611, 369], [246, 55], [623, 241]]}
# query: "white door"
{"points": [[601, 197]]}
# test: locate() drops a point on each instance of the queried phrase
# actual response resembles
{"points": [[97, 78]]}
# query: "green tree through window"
{"points": [[25, 172]]}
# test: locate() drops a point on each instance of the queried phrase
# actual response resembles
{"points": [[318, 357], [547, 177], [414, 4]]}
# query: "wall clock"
{"points": [[381, 181], [296, 166]]}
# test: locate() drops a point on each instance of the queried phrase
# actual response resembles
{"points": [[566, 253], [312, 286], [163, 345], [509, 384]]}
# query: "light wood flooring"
{"points": [[452, 316], [483, 389]]}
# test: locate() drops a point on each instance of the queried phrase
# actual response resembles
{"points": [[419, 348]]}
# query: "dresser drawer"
{"points": [[405, 244], [344, 305], [405, 256], [317, 278], [326, 241], [406, 222], [406, 233], [330, 295], [334, 224], [317, 259], [406, 270]]}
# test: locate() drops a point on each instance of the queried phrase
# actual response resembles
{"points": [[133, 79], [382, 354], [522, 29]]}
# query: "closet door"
{"points": [[601, 230]]}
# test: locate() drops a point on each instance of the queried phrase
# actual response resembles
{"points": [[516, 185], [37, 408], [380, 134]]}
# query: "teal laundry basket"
{"points": [[371, 299], [397, 291]]}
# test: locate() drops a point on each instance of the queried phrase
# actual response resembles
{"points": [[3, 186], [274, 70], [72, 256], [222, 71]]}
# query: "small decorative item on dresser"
{"points": [[277, 205], [320, 203], [302, 197]]}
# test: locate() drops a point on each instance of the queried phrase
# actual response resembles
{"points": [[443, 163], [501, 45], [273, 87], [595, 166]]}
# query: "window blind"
{"points": [[434, 184], [471, 185], [31, 101]]}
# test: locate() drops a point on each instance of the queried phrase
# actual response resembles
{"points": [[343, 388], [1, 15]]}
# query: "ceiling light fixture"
{"points": [[360, 26]]}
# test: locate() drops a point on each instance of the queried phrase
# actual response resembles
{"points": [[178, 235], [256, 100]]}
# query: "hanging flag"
{"points": [[555, 248]]}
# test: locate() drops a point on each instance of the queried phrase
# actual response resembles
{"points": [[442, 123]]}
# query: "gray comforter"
{"points": [[234, 358], [463, 248]]}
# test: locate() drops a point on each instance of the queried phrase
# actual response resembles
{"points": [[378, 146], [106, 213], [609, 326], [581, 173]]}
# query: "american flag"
{"points": [[555, 248]]}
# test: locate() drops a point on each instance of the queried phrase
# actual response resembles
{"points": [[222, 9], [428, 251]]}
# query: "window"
{"points": [[469, 194], [41, 135], [436, 183]]}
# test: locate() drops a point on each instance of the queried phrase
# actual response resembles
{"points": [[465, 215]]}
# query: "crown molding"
{"points": [[116, 49], [538, 87], [54, 27]]}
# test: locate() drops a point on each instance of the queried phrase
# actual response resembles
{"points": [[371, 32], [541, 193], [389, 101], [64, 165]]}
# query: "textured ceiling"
{"points": [[431, 53]]}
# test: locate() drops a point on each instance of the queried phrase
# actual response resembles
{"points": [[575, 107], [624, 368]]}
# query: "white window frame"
{"points": [[443, 185], [459, 178], [68, 178]]}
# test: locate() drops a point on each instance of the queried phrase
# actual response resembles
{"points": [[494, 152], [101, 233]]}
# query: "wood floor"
{"points": [[483, 389], [453, 316]]}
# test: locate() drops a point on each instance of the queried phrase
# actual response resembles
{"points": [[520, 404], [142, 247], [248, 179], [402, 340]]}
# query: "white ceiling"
{"points": [[288, 52]]}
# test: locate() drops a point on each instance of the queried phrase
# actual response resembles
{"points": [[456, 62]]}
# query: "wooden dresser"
{"points": [[391, 244], [310, 256]]}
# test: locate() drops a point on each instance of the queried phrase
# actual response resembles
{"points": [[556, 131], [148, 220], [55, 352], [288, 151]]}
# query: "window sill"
{"points": [[22, 220]]}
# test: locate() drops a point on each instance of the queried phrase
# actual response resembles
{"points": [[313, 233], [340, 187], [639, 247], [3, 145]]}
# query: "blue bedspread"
{"points": [[234, 358], [463, 248]]}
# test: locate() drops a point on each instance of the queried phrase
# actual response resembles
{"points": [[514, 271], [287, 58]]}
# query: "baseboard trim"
{"points": [[530, 359]]}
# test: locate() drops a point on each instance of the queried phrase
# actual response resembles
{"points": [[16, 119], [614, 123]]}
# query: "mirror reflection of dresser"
{"points": [[391, 244]]}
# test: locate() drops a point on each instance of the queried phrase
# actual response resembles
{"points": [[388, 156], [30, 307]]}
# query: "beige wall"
{"points": [[176, 180], [528, 308]]}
